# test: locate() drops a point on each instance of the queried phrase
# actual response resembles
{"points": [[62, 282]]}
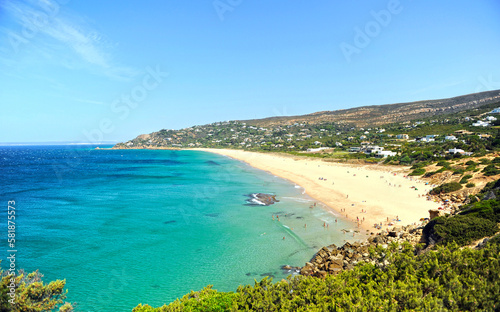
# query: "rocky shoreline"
{"points": [[333, 259]]}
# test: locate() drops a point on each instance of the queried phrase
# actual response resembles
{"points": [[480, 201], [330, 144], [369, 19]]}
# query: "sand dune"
{"points": [[382, 193]]}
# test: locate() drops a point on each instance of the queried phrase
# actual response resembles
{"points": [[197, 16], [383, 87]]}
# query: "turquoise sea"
{"points": [[125, 227]]}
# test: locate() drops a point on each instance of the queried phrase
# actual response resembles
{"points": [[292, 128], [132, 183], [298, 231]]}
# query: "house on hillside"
{"points": [[460, 151], [484, 136], [481, 123], [463, 132], [385, 154], [450, 138], [402, 136]]}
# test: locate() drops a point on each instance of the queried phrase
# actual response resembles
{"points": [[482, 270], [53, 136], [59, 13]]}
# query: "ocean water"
{"points": [[125, 227]]}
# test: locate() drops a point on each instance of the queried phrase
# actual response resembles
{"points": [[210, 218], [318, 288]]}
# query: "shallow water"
{"points": [[125, 227]]}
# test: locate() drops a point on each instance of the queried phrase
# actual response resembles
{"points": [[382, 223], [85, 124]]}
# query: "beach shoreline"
{"points": [[363, 194]]}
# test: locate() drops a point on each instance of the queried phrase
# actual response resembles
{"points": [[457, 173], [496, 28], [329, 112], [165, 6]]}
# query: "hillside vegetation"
{"points": [[422, 135], [385, 114]]}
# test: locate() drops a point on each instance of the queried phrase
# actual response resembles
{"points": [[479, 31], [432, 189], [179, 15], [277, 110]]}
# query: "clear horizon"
{"points": [[93, 71]]}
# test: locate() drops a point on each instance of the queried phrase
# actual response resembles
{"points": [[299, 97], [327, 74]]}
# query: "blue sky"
{"points": [[110, 70]]}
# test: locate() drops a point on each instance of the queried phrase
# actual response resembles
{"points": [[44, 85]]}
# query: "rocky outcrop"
{"points": [[261, 199], [333, 259]]}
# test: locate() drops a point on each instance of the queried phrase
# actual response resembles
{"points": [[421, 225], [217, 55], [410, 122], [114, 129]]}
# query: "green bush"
{"points": [[496, 160], [469, 185], [486, 209], [485, 161], [490, 170], [32, 294], [461, 229], [443, 163], [470, 163], [458, 170], [465, 178], [417, 172], [446, 188]]}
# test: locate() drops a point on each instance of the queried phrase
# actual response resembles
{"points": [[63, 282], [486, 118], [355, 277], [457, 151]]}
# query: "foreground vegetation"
{"points": [[31, 293], [445, 279]]}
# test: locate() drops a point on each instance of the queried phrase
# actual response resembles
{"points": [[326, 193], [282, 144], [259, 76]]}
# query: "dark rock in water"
{"points": [[286, 267], [170, 221], [270, 274], [211, 162], [155, 286], [262, 199], [248, 274], [299, 217], [213, 215]]}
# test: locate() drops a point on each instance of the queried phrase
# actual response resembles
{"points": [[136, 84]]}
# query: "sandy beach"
{"points": [[365, 194]]}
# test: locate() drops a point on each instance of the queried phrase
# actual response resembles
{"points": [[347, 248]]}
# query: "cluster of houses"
{"points": [[299, 136]]}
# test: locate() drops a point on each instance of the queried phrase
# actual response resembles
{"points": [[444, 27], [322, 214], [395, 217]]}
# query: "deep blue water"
{"points": [[125, 227]]}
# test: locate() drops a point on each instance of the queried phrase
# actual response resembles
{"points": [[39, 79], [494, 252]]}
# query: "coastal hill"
{"points": [[329, 128], [384, 114]]}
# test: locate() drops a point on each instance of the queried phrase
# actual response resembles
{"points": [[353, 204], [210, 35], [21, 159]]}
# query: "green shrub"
{"points": [[486, 209], [32, 294], [490, 170], [458, 170], [461, 229], [485, 161], [469, 185], [465, 178], [470, 163], [446, 188], [417, 172], [471, 168], [443, 163], [496, 160]]}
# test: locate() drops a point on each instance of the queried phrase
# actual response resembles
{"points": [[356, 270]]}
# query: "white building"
{"points": [[313, 150], [402, 136], [460, 151], [385, 154], [481, 123], [450, 138]]}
